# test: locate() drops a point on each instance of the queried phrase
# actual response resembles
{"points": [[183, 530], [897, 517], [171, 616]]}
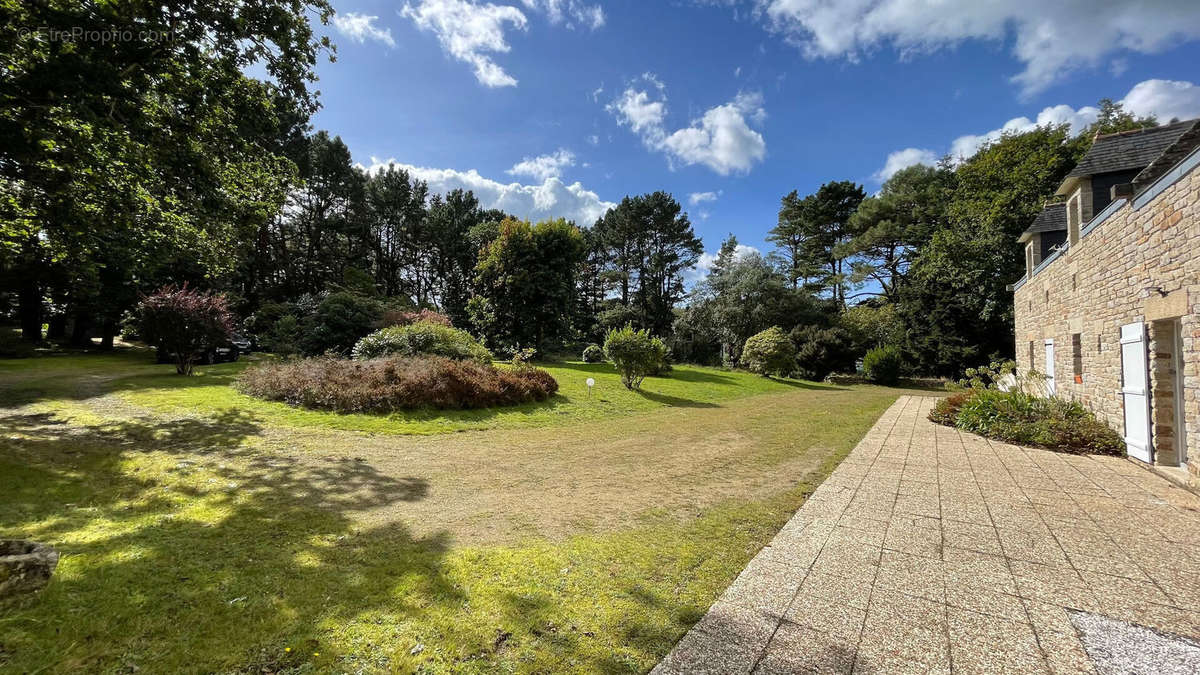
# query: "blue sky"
{"points": [[562, 107]]}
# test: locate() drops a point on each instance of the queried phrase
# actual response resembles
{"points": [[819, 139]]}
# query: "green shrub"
{"points": [[770, 352], [593, 354], [882, 365], [284, 337], [635, 353], [394, 383], [424, 338], [339, 321], [1016, 416], [821, 351]]}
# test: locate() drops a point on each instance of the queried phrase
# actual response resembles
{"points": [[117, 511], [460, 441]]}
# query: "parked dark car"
{"points": [[243, 343], [221, 354]]}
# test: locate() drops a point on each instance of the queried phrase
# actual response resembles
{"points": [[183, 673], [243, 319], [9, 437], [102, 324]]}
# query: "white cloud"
{"points": [[1165, 99], [705, 264], [360, 28], [965, 146], [721, 139], [544, 166], [902, 159], [551, 199], [470, 32], [1049, 38], [572, 12], [638, 110], [593, 139], [701, 197]]}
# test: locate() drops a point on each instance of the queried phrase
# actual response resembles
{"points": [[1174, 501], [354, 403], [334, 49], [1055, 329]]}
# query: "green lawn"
{"points": [[137, 380], [205, 531]]}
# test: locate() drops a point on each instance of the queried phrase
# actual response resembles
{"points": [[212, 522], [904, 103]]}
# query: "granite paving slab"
{"points": [[932, 550]]}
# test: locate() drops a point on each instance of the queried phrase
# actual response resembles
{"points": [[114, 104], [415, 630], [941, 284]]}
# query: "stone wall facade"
{"points": [[1138, 265]]}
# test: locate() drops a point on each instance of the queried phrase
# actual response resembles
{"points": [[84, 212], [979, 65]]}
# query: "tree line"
{"points": [[125, 166]]}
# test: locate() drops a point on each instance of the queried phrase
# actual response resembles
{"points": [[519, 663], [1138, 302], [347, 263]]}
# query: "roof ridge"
{"points": [[1130, 132]]}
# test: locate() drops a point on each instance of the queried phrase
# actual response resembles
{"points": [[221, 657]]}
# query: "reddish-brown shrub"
{"points": [[945, 411], [395, 383], [184, 322], [404, 318]]}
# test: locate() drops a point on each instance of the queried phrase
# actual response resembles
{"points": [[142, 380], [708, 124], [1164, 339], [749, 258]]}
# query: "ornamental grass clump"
{"points": [[395, 383]]}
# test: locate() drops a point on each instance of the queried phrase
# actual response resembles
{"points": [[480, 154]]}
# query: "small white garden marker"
{"points": [[591, 382]]}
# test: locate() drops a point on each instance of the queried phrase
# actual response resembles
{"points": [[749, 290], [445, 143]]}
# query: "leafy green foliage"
{"points": [[871, 325], [126, 163], [742, 296], [822, 351], [883, 365], [770, 352], [422, 339], [526, 281], [593, 354], [339, 321], [395, 383], [1016, 416], [635, 353], [184, 322], [955, 305]]}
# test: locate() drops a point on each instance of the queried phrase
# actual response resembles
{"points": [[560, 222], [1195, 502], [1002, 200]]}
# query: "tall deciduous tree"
{"points": [[525, 280], [118, 157], [955, 306]]}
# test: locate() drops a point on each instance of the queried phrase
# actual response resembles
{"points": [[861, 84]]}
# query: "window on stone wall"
{"points": [[1047, 296], [1077, 356], [1031, 356], [1074, 282]]}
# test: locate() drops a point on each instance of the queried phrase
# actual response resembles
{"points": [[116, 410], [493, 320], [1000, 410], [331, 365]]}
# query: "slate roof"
{"points": [[1181, 148], [1130, 149], [1053, 218]]}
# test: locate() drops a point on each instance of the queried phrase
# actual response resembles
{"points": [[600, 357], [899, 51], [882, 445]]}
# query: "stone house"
{"points": [[1109, 307]]}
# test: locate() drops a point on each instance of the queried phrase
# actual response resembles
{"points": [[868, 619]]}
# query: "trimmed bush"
{"points": [[1018, 417], [424, 338], [395, 383], [770, 352], [821, 352], [593, 354], [882, 365], [635, 353]]}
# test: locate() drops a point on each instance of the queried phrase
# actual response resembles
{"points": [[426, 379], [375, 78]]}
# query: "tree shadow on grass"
{"points": [[185, 549], [674, 401], [805, 384]]}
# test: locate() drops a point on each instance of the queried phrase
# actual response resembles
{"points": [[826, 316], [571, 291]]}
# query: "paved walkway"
{"points": [[929, 550]]}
